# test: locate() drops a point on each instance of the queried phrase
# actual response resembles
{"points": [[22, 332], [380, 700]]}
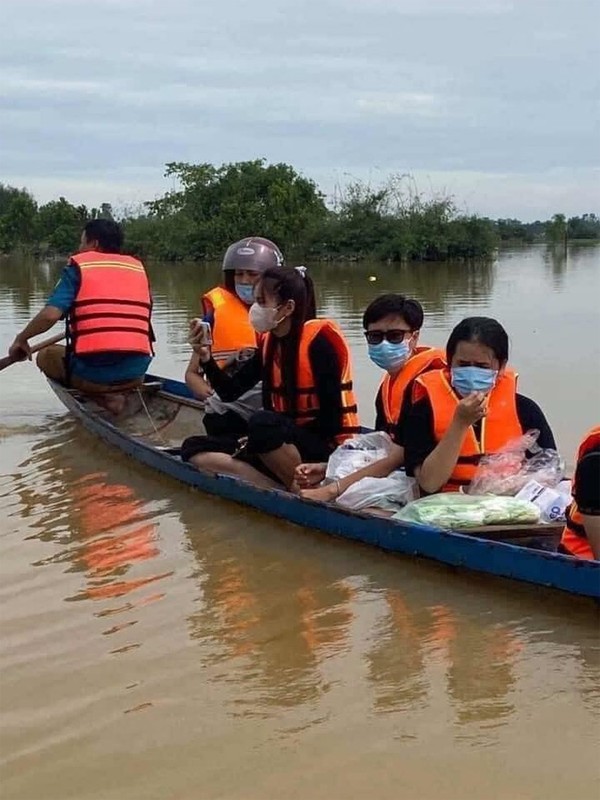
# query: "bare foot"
{"points": [[326, 494], [115, 403]]}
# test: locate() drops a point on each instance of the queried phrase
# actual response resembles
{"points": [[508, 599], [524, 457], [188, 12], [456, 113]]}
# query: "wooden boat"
{"points": [[164, 412]]}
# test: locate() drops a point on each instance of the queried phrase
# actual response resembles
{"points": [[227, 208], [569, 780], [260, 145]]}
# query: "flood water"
{"points": [[157, 643]]}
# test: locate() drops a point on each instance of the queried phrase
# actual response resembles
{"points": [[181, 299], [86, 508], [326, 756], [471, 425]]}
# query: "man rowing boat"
{"points": [[105, 298]]}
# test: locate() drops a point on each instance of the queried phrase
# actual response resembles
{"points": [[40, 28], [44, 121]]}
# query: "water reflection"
{"points": [[284, 618], [102, 526], [343, 289], [556, 258], [277, 615]]}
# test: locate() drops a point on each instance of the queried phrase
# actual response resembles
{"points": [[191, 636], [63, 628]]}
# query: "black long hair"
{"points": [[485, 330], [288, 283]]}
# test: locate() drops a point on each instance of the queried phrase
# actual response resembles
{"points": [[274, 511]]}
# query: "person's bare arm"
{"points": [[378, 469], [592, 531], [42, 322], [199, 387]]}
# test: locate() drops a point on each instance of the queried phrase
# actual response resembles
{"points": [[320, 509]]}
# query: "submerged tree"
{"points": [[18, 212], [217, 205]]}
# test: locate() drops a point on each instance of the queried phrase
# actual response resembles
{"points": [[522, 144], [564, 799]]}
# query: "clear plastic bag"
{"points": [[356, 453], [395, 490], [507, 471], [454, 510]]}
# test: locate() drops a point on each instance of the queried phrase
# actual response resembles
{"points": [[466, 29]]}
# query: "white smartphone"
{"points": [[200, 332]]}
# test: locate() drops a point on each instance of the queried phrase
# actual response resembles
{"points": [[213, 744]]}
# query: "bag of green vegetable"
{"points": [[453, 510]]}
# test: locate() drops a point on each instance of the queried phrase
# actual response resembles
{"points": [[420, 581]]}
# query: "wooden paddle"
{"points": [[8, 360]]}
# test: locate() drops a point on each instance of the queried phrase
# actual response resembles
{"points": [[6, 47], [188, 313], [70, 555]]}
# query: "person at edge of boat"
{"points": [[581, 536], [104, 296], [392, 324], [469, 409], [225, 308], [308, 398]]}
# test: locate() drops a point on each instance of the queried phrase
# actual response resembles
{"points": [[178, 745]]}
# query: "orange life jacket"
{"points": [[111, 312], [393, 387], [231, 329], [574, 539], [498, 427], [307, 400]]}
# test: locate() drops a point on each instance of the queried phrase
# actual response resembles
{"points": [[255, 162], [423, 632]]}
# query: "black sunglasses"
{"points": [[394, 336]]}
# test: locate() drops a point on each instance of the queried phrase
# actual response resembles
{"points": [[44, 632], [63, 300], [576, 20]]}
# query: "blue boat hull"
{"points": [[575, 576]]}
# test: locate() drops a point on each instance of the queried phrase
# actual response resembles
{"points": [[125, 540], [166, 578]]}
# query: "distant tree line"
{"points": [[214, 206]]}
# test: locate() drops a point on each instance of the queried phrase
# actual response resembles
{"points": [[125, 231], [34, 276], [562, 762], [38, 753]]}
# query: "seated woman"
{"points": [[468, 410], [392, 326], [225, 308], [581, 536], [308, 398]]}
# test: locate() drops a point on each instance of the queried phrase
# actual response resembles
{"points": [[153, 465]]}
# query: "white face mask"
{"points": [[262, 318]]}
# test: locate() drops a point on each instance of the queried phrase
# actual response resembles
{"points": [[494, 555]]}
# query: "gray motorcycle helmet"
{"points": [[254, 253]]}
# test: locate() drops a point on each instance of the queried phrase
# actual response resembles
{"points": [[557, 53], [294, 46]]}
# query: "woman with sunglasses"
{"points": [[467, 410], [392, 326], [307, 392]]}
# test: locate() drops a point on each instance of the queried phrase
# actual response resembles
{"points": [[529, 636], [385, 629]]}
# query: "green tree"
{"points": [[60, 224], [217, 205], [585, 227], [556, 229], [18, 212]]}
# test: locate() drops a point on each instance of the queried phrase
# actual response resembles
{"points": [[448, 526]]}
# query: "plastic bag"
{"points": [[356, 453], [507, 471], [454, 510], [395, 490]]}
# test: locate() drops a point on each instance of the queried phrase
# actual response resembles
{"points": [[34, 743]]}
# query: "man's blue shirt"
{"points": [[98, 367]]}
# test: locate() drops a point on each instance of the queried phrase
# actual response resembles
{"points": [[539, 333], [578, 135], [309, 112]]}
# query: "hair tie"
{"points": [[301, 270]]}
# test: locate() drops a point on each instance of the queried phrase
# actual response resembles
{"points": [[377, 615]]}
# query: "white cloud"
{"points": [[498, 97]]}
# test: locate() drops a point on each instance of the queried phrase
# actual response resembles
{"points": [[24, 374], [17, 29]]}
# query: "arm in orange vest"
{"points": [[437, 468], [587, 497]]}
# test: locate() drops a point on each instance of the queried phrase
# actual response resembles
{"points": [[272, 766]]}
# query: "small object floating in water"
{"points": [[372, 278]]}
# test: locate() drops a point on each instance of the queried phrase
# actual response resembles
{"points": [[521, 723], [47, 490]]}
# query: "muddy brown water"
{"points": [[157, 643]]}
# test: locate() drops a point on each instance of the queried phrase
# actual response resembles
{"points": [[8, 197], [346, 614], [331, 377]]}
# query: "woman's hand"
{"points": [[471, 409], [199, 339], [308, 475]]}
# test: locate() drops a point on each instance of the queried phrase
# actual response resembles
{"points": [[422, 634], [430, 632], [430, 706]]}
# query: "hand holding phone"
{"points": [[200, 333]]}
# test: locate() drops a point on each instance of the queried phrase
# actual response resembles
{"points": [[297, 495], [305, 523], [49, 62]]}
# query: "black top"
{"points": [[587, 483], [398, 433], [420, 440], [326, 369]]}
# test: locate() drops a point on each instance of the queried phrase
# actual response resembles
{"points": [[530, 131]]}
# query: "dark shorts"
{"points": [[267, 431], [228, 424]]}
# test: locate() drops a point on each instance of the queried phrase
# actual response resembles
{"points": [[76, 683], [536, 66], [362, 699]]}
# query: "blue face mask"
{"points": [[245, 291], [473, 379], [388, 356]]}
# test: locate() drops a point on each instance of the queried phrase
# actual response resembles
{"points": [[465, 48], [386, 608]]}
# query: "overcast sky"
{"points": [[493, 101]]}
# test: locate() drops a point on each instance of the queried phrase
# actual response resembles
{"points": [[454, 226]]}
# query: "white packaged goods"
{"points": [[395, 490], [551, 502], [356, 453]]}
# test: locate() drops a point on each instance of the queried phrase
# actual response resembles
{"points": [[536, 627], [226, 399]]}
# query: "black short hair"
{"points": [[107, 233], [485, 330], [397, 305]]}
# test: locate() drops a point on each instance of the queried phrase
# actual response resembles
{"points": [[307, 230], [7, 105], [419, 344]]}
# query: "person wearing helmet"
{"points": [[225, 308]]}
